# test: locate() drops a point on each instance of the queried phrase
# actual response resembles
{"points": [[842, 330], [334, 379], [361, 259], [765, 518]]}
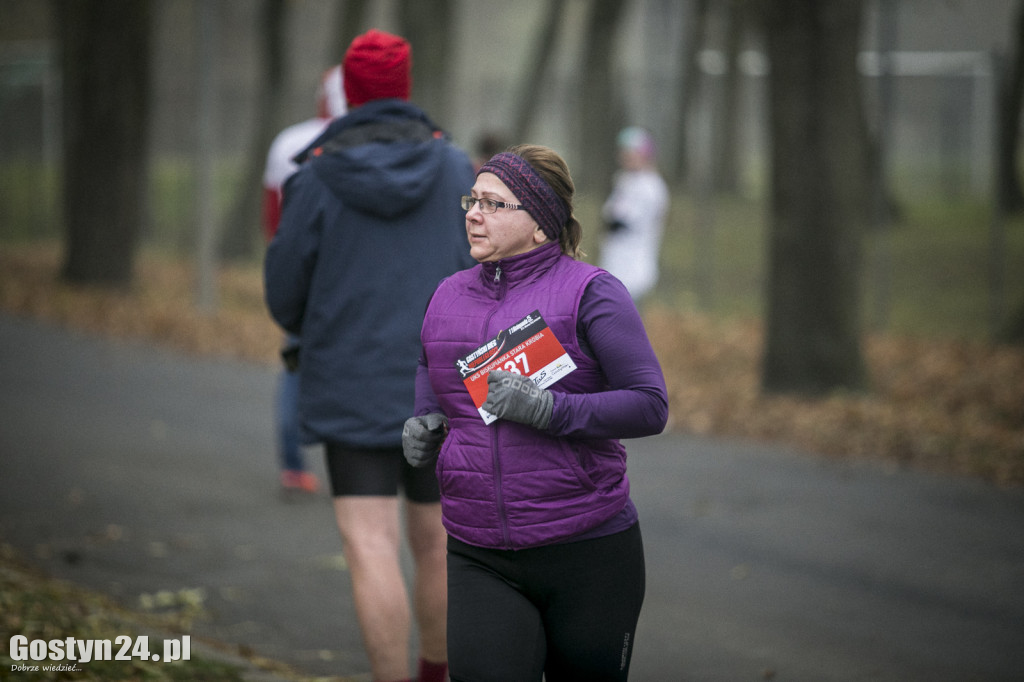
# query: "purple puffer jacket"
{"points": [[507, 485]]}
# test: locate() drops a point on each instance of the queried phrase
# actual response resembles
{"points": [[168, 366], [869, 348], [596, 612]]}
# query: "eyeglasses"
{"points": [[488, 205]]}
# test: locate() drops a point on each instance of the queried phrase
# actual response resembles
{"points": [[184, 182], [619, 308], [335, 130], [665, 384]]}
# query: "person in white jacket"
{"points": [[330, 103], [634, 215]]}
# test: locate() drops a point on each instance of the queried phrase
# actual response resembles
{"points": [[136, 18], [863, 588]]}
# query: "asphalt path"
{"points": [[143, 473]]}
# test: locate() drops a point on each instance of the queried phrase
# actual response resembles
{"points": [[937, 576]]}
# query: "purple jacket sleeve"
{"points": [[635, 403]]}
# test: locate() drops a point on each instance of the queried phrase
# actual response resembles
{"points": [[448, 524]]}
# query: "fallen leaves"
{"points": [[944, 406]]}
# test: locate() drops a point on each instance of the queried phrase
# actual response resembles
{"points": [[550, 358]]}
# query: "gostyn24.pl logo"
{"points": [[70, 651]]}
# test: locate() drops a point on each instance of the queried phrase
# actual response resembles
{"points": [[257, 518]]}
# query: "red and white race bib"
{"points": [[528, 347]]}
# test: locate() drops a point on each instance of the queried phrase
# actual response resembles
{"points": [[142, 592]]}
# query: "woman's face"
{"points": [[506, 232]]}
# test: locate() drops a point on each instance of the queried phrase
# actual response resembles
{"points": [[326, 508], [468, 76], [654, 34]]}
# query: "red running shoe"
{"points": [[302, 481]]}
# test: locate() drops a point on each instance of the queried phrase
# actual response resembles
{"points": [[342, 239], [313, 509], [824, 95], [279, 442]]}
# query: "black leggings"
{"points": [[566, 611]]}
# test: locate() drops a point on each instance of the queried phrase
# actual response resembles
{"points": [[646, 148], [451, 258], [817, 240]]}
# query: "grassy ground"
{"points": [[40, 608]]}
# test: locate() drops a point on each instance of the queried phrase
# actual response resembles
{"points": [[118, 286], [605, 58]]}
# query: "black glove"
{"points": [[422, 438], [515, 397]]}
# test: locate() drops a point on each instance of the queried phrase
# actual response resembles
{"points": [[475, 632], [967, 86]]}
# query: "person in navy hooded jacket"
{"points": [[545, 558], [370, 224], [330, 103]]}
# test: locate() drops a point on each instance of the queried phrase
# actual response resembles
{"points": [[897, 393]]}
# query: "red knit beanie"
{"points": [[377, 65]]}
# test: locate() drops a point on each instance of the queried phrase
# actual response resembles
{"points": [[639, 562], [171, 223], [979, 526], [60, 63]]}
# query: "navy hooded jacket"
{"points": [[370, 225]]}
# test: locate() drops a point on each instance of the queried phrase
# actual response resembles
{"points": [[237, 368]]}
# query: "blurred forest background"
{"points": [[844, 173]]}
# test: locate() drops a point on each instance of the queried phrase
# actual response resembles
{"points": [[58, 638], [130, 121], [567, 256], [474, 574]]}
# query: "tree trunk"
{"points": [[105, 69], [818, 197], [600, 115], [1013, 329], [727, 122], [348, 26], [427, 26], [1010, 83], [242, 234], [686, 94], [533, 78]]}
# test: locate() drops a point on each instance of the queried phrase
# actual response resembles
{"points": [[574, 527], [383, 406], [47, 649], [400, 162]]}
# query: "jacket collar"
{"points": [[523, 267], [375, 111]]}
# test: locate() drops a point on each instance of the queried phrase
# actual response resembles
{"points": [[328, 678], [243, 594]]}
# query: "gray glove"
{"points": [[515, 397], [422, 438]]}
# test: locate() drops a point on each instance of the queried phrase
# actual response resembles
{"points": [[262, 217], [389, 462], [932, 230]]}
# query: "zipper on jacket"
{"points": [[501, 281], [495, 427], [499, 494]]}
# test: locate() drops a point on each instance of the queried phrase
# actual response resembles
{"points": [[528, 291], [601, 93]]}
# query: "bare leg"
{"points": [[370, 539], [427, 540]]}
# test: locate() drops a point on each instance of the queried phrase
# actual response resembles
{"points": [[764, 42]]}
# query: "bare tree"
{"points": [[686, 95], [427, 26], [1011, 98], [241, 233], [349, 25], [601, 109], [727, 122], [105, 68], [1010, 198], [533, 77], [1012, 331], [818, 196]]}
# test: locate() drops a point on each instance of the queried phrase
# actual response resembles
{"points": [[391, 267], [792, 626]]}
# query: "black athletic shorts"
{"points": [[378, 472]]}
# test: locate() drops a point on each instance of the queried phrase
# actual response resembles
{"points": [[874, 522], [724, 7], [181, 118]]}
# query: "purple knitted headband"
{"points": [[540, 200]]}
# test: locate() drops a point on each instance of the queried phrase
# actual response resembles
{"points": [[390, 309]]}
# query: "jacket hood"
{"points": [[383, 158]]}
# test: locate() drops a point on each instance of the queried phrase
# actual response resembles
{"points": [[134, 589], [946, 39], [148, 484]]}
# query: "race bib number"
{"points": [[528, 347]]}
